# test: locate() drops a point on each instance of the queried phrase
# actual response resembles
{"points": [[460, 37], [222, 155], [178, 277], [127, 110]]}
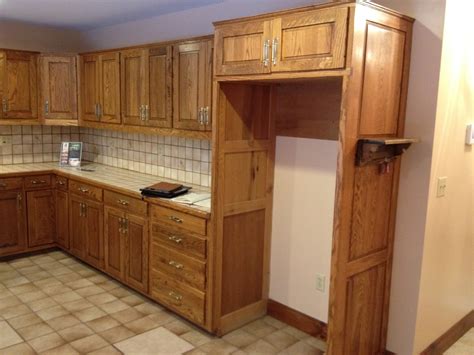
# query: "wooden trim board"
{"points": [[452, 335], [297, 319]]}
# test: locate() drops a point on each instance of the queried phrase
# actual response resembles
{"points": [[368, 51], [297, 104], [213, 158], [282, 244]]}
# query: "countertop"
{"points": [[121, 180]]}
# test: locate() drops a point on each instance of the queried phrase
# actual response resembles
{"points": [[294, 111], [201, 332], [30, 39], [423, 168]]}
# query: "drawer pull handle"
{"points": [[37, 182], [175, 219], [62, 183], [2, 184], [176, 265], [123, 202], [175, 239], [175, 296], [83, 190]]}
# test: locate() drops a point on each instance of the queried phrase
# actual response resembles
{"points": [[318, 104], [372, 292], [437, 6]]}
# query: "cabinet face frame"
{"points": [[62, 218]]}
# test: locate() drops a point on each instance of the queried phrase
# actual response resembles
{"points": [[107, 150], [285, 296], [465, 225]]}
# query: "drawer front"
{"points": [[126, 203], [178, 219], [60, 183], [11, 184], [37, 181], [184, 242], [88, 191], [187, 301], [178, 266]]}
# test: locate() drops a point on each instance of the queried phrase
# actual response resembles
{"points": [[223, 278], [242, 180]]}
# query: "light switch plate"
{"points": [[470, 134], [320, 283], [442, 185]]}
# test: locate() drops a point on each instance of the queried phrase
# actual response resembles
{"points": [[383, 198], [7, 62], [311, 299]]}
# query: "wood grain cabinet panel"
{"points": [[77, 227], [13, 222], [133, 86], [58, 88], [62, 218], [159, 88], [136, 252], [192, 85], [89, 91], [114, 242], [41, 217], [18, 81], [94, 236]]}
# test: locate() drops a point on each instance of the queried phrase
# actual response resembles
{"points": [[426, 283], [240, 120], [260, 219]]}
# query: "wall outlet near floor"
{"points": [[320, 283], [5, 140], [441, 187]]}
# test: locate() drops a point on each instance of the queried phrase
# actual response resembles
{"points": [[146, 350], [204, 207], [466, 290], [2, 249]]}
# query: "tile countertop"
{"points": [[120, 180]]}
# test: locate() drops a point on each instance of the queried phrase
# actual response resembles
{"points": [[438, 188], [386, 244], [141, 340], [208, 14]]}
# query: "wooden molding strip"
{"points": [[297, 319], [452, 335]]}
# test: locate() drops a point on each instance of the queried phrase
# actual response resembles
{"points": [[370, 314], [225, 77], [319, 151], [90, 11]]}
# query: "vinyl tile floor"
{"points": [[54, 304], [464, 346]]}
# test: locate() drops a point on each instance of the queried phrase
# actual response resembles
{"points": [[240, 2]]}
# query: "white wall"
{"points": [[303, 210], [18, 35]]}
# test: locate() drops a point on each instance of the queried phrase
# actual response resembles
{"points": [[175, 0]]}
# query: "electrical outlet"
{"points": [[5, 140], [320, 283], [442, 185]]}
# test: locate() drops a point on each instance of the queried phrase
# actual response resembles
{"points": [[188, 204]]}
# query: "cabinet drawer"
{"points": [[11, 184], [85, 190], [178, 219], [37, 181], [60, 183], [178, 266], [183, 242], [125, 203], [187, 301]]}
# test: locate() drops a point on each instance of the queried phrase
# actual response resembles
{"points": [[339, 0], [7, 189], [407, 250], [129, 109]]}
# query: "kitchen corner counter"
{"points": [[115, 179]]}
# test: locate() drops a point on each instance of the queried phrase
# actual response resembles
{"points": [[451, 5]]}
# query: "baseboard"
{"points": [[297, 319], [452, 335]]}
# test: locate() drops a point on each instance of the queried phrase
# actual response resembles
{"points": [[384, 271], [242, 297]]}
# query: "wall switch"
{"points": [[320, 283], [5, 140], [442, 184], [470, 134]]}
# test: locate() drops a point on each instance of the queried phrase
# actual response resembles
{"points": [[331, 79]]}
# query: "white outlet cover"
{"points": [[441, 187], [470, 134]]}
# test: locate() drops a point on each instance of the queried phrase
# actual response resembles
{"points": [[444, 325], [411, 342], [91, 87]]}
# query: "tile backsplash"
{"points": [[183, 159]]}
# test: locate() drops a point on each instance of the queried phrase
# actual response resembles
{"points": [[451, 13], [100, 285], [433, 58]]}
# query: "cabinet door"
{"points": [[19, 100], [159, 71], [89, 87], [12, 221], [136, 250], [77, 225], [310, 40], [243, 48], [41, 217], [192, 83], [109, 88], [94, 236], [58, 91], [133, 86], [114, 238], [3, 83], [62, 218]]}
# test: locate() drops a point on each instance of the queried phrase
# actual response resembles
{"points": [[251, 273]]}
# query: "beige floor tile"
{"points": [[101, 298], [132, 300], [73, 276], [77, 305], [218, 346], [50, 313], [19, 263], [260, 347], [109, 285], [121, 292], [8, 335], [281, 340], [26, 288], [295, 332], [5, 267], [42, 304], [156, 341], [117, 334], [14, 311], [38, 276], [196, 337], [32, 296], [7, 275], [65, 349], [24, 320], [127, 315], [108, 350], [240, 338], [274, 322], [86, 273], [103, 323], [42, 259], [46, 342], [58, 255], [142, 325], [317, 343], [98, 278], [29, 270], [20, 280], [114, 306], [69, 261], [88, 314], [64, 270], [56, 289], [89, 291], [35, 330], [90, 343], [66, 297], [79, 284], [178, 327], [47, 282], [148, 308], [259, 328], [8, 302], [51, 266], [18, 349], [163, 317], [4, 293], [76, 332], [63, 322], [301, 348]]}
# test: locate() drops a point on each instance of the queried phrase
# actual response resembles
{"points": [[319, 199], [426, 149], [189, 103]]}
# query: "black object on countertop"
{"points": [[152, 192]]}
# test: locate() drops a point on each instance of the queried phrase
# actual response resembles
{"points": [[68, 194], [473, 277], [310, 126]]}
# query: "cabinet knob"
{"points": [[46, 107], [123, 202], [176, 265], [275, 51], [266, 50], [175, 239], [175, 219], [175, 295]]}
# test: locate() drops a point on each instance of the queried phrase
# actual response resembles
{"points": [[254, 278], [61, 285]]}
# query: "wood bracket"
{"points": [[381, 150]]}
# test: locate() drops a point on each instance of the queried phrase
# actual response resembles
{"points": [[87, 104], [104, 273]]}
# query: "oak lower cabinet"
{"points": [[126, 240], [41, 217], [86, 218], [12, 217], [62, 217]]}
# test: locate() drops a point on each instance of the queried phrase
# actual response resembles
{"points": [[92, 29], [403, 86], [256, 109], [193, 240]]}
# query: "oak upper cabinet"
{"points": [[133, 86], [18, 81], [41, 217], [58, 88], [192, 85], [293, 41], [100, 87], [12, 220]]}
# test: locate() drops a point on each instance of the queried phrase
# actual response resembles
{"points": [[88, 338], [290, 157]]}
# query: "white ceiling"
{"points": [[89, 14]]}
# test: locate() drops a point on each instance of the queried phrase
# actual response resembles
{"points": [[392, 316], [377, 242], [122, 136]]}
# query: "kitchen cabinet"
{"points": [[18, 85], [12, 220], [100, 88], [41, 217], [62, 218], [133, 76], [295, 41], [58, 89], [192, 85]]}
